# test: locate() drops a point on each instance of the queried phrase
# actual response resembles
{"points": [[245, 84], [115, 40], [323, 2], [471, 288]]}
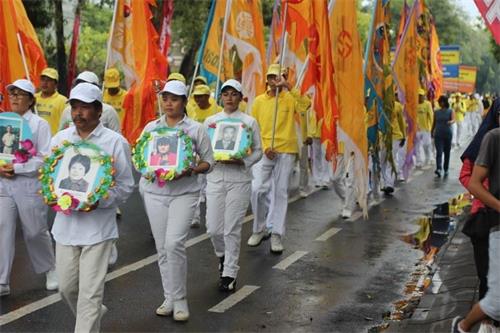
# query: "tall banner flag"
{"points": [[406, 76], [490, 11], [436, 66], [243, 45], [402, 21], [16, 30], [133, 46], [424, 24], [379, 88], [349, 82], [320, 75], [165, 31], [74, 47]]}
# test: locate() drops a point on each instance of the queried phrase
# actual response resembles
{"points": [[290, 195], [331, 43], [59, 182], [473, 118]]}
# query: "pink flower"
{"points": [[159, 173], [25, 153], [212, 125], [20, 157]]}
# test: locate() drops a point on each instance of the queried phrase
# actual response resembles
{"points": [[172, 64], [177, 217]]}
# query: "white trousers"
{"points": [[458, 128], [32, 213], [170, 218], [227, 204], [266, 174], [320, 166], [81, 271], [304, 168], [388, 174], [202, 180], [423, 148]]}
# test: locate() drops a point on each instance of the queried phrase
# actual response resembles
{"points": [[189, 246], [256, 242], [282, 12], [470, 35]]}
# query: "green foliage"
{"points": [[39, 12]]}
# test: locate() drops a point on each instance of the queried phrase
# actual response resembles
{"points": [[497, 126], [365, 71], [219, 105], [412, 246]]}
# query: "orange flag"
{"points": [[349, 81], [320, 74], [406, 75], [14, 21], [436, 65], [134, 47]]}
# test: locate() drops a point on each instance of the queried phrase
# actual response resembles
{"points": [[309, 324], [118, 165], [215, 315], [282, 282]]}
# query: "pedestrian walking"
{"points": [[459, 109], [423, 142], [442, 133], [50, 103], [113, 94]]}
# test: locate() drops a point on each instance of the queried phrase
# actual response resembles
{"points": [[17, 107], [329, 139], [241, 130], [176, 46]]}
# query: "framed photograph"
{"points": [[13, 130], [230, 138], [163, 153], [76, 176]]}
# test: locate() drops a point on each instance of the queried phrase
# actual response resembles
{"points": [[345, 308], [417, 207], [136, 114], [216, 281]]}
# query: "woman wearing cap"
{"points": [[19, 186], [229, 187], [170, 208]]}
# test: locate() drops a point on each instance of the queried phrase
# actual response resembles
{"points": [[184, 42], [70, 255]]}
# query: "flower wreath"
{"points": [[66, 202], [141, 151], [245, 143]]}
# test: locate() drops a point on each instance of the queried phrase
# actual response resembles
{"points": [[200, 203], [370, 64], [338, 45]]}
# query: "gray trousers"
{"points": [[32, 212], [81, 271]]}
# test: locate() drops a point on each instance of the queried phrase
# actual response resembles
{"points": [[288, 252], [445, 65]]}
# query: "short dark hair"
{"points": [[443, 100], [82, 159], [167, 140]]}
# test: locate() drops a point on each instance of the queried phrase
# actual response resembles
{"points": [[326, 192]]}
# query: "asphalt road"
{"points": [[335, 275]]}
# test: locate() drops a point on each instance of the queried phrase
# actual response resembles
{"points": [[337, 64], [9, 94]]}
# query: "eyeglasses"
{"points": [[16, 95]]}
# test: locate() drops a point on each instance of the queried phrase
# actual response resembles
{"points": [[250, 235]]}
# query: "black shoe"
{"points": [[445, 174], [454, 325], [221, 265], [388, 190], [227, 283], [438, 173]]}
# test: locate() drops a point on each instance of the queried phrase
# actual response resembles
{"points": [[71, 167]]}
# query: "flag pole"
{"points": [[282, 57], [221, 52], [23, 57]]}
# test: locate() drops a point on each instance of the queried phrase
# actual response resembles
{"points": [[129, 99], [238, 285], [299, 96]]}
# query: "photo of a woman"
{"points": [[79, 166], [165, 152]]}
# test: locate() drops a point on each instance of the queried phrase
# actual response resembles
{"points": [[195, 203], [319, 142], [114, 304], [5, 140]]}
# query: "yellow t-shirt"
{"points": [[460, 110], [285, 137], [116, 101], [51, 108], [398, 124], [196, 113], [425, 116]]}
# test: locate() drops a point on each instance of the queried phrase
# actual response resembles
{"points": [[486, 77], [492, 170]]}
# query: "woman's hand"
{"points": [[7, 170], [270, 153]]}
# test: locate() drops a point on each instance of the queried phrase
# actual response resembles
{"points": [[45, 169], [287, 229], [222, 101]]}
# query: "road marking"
{"points": [[49, 300], [234, 299], [285, 263], [327, 234]]}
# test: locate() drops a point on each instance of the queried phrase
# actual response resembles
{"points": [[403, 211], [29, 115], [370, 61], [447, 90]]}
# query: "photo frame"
{"points": [[13, 131], [230, 138], [76, 176], [162, 154]]}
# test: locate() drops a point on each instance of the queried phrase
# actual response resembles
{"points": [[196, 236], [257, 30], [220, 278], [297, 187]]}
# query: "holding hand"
{"points": [[7, 170], [270, 153]]}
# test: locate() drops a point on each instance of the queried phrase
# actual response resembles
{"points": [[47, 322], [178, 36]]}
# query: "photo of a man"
{"points": [[227, 138], [8, 140]]}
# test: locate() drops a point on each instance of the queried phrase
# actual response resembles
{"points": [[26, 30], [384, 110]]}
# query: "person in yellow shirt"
{"points": [[49, 103], [458, 107], [113, 93], [199, 80], [280, 146], [423, 142]]}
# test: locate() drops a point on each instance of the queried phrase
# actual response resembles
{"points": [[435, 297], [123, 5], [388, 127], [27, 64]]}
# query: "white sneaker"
{"points": [[257, 238], [114, 255], [4, 289], [276, 245], [165, 309], [51, 283], [346, 213], [181, 311], [303, 194]]}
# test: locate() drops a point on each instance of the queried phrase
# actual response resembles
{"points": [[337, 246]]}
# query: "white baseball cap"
{"points": [[233, 84], [86, 92], [175, 87], [24, 85], [89, 77]]}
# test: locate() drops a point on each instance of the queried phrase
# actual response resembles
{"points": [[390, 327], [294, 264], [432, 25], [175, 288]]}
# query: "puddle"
{"points": [[434, 231]]}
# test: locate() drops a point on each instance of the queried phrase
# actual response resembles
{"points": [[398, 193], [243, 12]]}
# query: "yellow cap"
{"points": [[50, 73], [201, 89], [176, 77], [111, 78], [273, 69], [201, 78], [421, 92]]}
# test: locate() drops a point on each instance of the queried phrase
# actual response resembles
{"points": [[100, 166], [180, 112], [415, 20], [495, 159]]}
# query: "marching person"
{"points": [[229, 189], [19, 198], [458, 108], [84, 240], [274, 169], [423, 143], [170, 208], [444, 118], [114, 95], [49, 103]]}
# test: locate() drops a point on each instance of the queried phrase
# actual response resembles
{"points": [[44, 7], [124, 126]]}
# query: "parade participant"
{"points": [[320, 168], [203, 107], [19, 186], [170, 208], [275, 167], [487, 166], [459, 110], [442, 133], [49, 103], [84, 240], [229, 190], [423, 142], [113, 93], [109, 117], [176, 77]]}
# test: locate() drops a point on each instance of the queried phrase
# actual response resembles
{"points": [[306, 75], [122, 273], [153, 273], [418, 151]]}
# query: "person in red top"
{"points": [[479, 243]]}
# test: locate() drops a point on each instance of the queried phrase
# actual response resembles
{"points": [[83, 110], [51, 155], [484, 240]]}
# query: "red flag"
{"points": [[165, 31], [74, 48], [490, 10]]}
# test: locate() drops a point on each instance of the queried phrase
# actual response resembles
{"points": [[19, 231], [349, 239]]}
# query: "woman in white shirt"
{"points": [[19, 198]]}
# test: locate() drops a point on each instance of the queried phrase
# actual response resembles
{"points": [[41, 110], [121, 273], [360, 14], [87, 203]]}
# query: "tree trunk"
{"points": [[61, 52], [187, 64]]}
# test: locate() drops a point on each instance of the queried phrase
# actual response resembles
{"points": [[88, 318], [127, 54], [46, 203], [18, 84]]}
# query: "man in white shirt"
{"points": [[84, 239]]}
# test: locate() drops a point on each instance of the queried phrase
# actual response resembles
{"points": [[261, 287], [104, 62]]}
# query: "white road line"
{"points": [[234, 299], [285, 263], [327, 234], [49, 300]]}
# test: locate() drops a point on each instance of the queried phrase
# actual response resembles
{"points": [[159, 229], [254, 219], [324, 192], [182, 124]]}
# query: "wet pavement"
{"points": [[335, 275]]}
